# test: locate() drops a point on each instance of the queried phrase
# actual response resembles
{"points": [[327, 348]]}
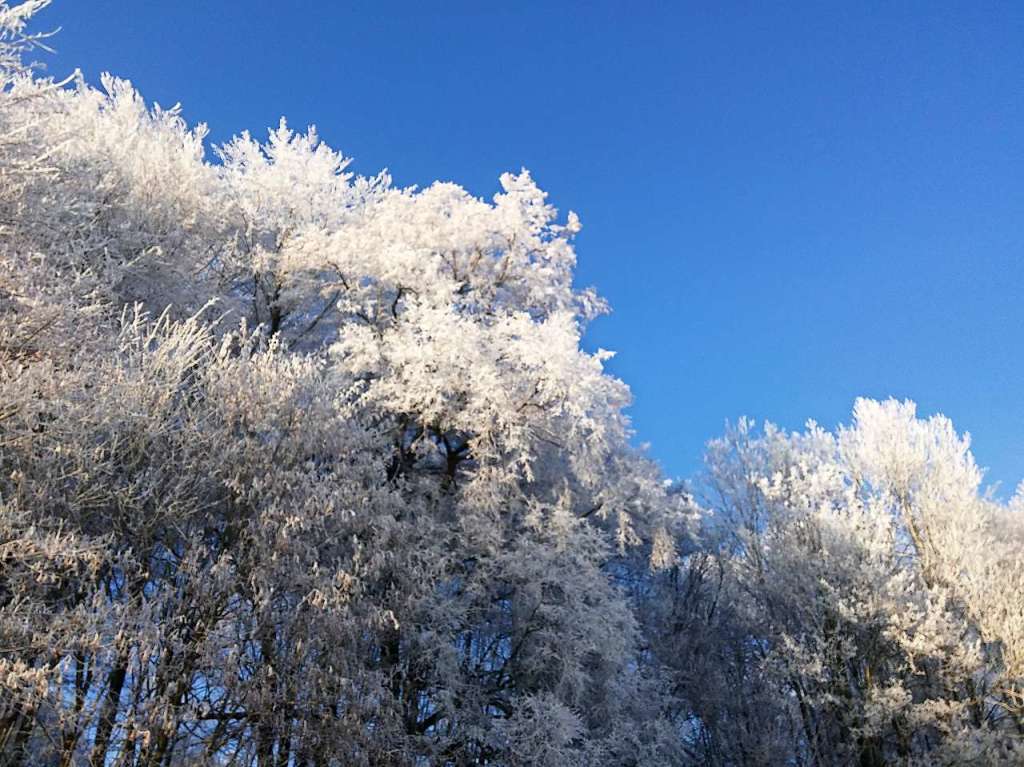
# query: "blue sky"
{"points": [[787, 205]]}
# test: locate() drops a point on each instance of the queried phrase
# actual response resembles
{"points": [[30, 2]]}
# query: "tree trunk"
{"points": [[115, 683]]}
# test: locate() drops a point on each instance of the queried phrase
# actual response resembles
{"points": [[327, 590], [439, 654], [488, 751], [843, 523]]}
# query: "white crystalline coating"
{"points": [[878, 582], [301, 468]]}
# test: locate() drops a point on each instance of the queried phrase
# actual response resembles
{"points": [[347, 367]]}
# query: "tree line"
{"points": [[299, 468]]}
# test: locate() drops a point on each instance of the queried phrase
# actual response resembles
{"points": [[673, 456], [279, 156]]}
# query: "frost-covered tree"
{"points": [[856, 600], [300, 468]]}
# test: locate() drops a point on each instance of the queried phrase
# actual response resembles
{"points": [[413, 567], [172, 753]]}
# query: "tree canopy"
{"points": [[299, 468]]}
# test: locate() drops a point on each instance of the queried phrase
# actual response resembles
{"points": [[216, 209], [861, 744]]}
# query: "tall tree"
{"points": [[298, 468]]}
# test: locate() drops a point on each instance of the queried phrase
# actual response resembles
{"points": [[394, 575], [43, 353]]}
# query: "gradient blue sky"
{"points": [[787, 205]]}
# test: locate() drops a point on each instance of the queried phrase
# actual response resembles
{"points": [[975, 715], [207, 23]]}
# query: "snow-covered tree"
{"points": [[300, 468], [859, 599]]}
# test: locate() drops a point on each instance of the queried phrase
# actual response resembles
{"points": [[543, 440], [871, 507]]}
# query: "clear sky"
{"points": [[787, 205]]}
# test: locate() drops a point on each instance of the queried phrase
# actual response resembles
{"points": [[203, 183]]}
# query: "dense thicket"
{"points": [[298, 468]]}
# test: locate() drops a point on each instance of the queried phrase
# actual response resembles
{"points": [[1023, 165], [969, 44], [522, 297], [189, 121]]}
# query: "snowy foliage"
{"points": [[299, 468], [860, 600]]}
